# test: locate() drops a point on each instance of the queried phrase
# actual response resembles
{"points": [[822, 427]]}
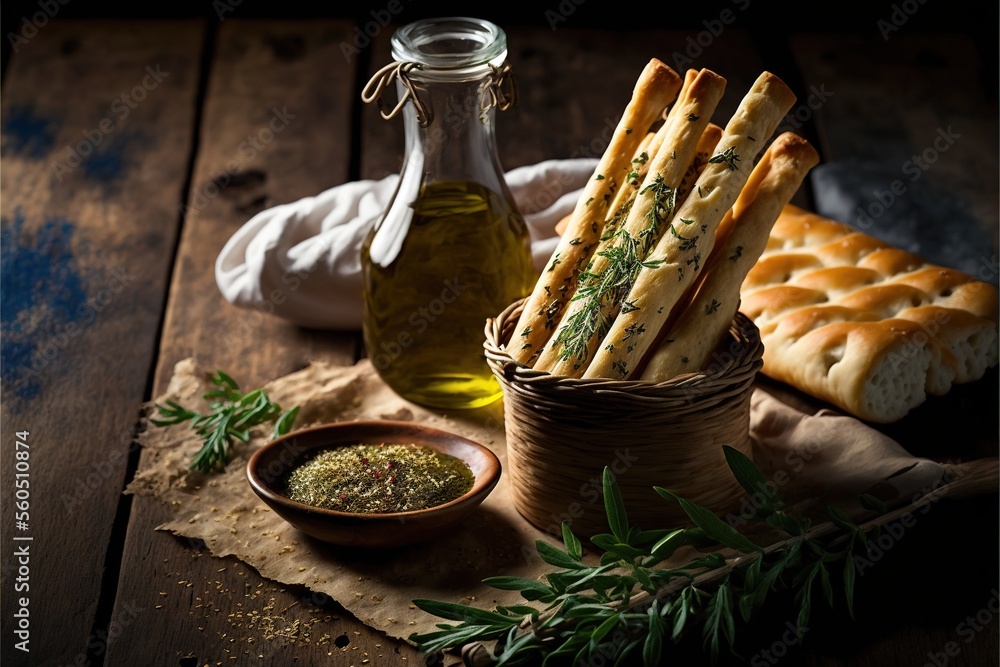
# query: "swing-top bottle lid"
{"points": [[450, 48]]}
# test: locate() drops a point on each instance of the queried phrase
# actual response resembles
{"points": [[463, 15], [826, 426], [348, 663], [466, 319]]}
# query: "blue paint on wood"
{"points": [[105, 163], [105, 160], [43, 300], [27, 133]]}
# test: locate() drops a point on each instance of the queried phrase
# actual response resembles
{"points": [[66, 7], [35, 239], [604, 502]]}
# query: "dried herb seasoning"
{"points": [[378, 479]]}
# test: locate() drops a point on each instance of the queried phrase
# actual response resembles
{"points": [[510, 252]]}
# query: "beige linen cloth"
{"points": [[819, 456]]}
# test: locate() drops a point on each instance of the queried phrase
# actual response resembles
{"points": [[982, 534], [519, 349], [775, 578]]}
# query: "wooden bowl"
{"points": [[269, 465]]}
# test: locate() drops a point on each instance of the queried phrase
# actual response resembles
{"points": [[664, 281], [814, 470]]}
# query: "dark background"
{"points": [[767, 21]]}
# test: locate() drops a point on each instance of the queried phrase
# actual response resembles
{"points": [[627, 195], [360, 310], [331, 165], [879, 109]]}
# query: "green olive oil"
{"points": [[461, 255]]}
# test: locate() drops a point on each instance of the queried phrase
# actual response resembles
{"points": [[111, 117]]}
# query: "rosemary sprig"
{"points": [[729, 156], [605, 290], [636, 601], [232, 415]]}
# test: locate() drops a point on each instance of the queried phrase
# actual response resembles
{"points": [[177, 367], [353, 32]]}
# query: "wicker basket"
{"points": [[562, 432]]}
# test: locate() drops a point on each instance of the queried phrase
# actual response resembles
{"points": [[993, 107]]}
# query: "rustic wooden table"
{"points": [[133, 149]]}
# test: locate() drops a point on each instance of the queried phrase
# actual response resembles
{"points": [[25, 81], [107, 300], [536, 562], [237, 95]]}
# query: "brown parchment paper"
{"points": [[807, 458]]}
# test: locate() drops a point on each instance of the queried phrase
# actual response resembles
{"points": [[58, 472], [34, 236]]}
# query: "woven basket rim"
{"points": [[561, 430], [747, 363]]}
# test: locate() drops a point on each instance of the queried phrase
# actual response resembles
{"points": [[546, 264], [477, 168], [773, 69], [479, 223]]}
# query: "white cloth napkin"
{"points": [[301, 261]]}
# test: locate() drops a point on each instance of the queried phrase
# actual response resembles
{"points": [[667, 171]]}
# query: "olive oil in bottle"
{"points": [[463, 256], [451, 248]]}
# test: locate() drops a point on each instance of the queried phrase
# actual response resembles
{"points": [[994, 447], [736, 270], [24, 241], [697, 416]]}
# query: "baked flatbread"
{"points": [[860, 324]]}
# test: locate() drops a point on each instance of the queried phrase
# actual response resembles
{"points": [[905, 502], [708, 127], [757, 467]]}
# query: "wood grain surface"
{"points": [[108, 270], [98, 122], [274, 128]]}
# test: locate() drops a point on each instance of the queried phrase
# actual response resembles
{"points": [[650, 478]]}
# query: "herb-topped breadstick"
{"points": [[706, 149], [606, 281], [674, 264], [621, 204], [640, 164], [656, 87], [705, 320]]}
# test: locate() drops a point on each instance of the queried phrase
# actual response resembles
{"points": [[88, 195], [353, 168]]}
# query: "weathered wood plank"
{"points": [[275, 128], [98, 120], [572, 86]]}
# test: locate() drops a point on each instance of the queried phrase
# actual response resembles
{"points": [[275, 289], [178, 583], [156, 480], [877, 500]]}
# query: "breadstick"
{"points": [[706, 149], [656, 87], [705, 320], [622, 201], [563, 222], [641, 159], [671, 112], [650, 144], [609, 275], [676, 260]]}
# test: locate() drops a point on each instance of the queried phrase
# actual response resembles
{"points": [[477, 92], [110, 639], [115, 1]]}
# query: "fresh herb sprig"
{"points": [[632, 604], [729, 156], [232, 415], [604, 292]]}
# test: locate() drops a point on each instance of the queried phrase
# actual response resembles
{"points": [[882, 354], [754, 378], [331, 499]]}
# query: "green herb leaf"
{"points": [[460, 612], [519, 610], [557, 557], [613, 545], [666, 547], [172, 413], [232, 416], [824, 579], [719, 623], [573, 546], [626, 652], [284, 423], [713, 526], [746, 606], [615, 507], [530, 589], [729, 157], [849, 577], [604, 628], [749, 476], [840, 519], [681, 609], [786, 523], [870, 502], [653, 647]]}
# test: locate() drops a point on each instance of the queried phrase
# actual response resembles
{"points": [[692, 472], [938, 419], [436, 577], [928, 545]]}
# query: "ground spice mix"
{"points": [[378, 479]]}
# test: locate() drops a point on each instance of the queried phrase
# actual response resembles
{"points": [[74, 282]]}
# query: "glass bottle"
{"points": [[451, 248]]}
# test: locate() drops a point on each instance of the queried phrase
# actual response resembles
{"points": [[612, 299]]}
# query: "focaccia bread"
{"points": [[861, 324]]}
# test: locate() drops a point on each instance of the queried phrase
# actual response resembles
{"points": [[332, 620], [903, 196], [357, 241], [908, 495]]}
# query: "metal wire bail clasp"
{"points": [[383, 78], [500, 91]]}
